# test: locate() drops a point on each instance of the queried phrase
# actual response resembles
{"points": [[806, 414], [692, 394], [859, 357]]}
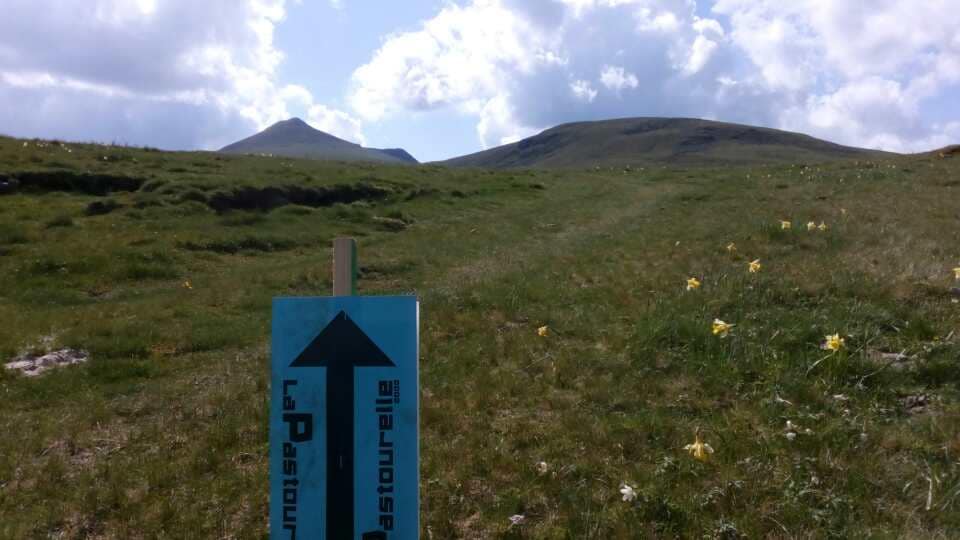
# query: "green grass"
{"points": [[164, 432]]}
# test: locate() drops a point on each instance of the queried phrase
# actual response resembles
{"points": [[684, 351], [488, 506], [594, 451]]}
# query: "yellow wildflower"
{"points": [[754, 266], [822, 226], [699, 449], [785, 224], [543, 331], [731, 247], [811, 225], [833, 343], [187, 284], [721, 328], [693, 283]]}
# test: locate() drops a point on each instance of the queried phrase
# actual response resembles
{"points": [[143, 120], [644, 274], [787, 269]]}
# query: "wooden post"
{"points": [[344, 267]]}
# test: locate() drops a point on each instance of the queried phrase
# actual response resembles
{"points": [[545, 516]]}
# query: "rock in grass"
{"points": [[915, 404], [32, 365]]}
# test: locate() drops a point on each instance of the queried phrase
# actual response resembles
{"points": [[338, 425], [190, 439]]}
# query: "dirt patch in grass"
{"points": [[88, 183], [268, 198]]}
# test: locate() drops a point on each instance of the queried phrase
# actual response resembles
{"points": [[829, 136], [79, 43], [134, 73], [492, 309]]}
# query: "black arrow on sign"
{"points": [[340, 347]]}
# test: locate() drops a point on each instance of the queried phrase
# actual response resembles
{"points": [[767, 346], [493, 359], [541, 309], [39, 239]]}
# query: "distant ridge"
{"points": [[295, 138], [675, 141]]}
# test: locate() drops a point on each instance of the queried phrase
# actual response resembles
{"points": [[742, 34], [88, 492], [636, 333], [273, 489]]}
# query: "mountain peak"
{"points": [[291, 123], [295, 121], [295, 138]]}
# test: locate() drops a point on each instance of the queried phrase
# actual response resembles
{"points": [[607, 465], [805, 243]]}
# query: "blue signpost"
{"points": [[344, 456]]}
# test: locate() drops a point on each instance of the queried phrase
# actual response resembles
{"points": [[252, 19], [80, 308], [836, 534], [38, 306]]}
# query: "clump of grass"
{"points": [[152, 185], [244, 244], [295, 210], [242, 219], [192, 194], [60, 221], [100, 208], [11, 233], [353, 213], [143, 271]]}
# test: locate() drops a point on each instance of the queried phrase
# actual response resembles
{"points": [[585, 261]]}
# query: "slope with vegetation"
{"points": [[125, 253], [671, 141]]}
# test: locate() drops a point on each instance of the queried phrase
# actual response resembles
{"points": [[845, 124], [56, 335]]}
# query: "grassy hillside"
{"points": [[673, 141], [164, 432]]}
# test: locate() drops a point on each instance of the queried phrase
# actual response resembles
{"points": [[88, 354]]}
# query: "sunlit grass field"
{"points": [[160, 266]]}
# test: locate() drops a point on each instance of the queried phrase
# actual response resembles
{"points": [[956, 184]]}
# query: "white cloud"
{"points": [[461, 57], [850, 72], [336, 123], [700, 54], [517, 65], [583, 90], [856, 73], [190, 74], [208, 67], [616, 78], [497, 124], [650, 21]]}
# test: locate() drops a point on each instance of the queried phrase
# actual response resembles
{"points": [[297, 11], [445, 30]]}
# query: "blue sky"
{"points": [[446, 78]]}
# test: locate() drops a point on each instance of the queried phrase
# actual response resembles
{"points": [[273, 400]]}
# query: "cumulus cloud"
{"points": [[336, 123], [616, 78], [102, 69], [877, 74], [853, 72], [583, 90], [847, 72], [461, 57]]}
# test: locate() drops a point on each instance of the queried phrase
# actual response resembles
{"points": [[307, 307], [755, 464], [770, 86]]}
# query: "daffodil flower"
{"points": [[822, 226], [187, 284], [693, 283], [785, 224], [699, 449], [811, 225], [731, 247], [833, 343], [628, 492], [754, 266], [721, 328], [543, 331]]}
